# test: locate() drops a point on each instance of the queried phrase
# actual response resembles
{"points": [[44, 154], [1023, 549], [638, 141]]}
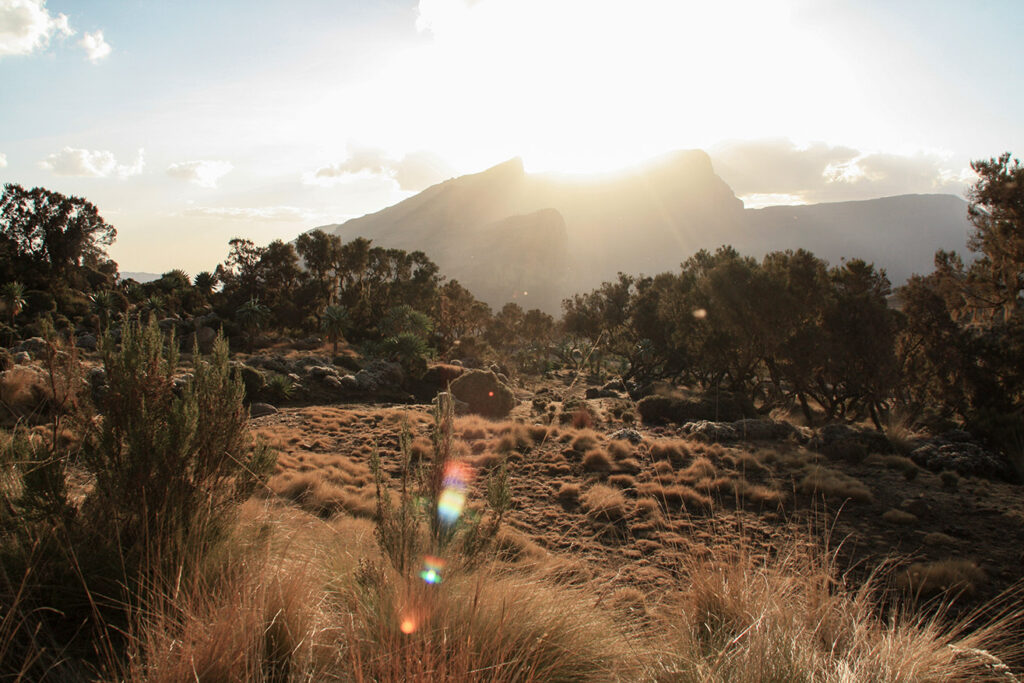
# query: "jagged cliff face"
{"points": [[536, 239]]}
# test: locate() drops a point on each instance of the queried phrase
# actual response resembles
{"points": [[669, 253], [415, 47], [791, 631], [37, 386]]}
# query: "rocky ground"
{"points": [[603, 496]]}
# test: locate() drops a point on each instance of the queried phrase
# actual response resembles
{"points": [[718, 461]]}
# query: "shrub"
{"points": [[169, 465]]}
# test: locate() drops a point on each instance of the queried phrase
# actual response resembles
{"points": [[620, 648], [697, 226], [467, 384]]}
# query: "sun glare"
{"points": [[584, 87]]}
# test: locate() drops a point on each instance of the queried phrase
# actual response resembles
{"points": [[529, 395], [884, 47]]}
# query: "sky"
{"points": [[188, 123]]}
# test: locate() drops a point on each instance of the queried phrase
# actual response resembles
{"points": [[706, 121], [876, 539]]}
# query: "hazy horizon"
{"points": [[188, 124]]}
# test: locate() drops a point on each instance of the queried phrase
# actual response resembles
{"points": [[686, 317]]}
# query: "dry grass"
{"points": [[784, 615], [674, 496], [585, 440], [621, 450], [605, 504], [899, 517], [946, 576], [831, 483], [623, 481], [568, 493], [597, 460], [676, 451], [701, 468], [582, 419]]}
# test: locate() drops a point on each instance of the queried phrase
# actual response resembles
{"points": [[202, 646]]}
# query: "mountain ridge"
{"points": [[644, 219]]}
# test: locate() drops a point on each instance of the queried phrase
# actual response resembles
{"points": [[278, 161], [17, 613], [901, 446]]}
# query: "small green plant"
{"points": [[408, 350], [430, 515], [279, 388]]}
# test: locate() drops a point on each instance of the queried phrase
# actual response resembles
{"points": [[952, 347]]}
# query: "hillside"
{"points": [[563, 234]]}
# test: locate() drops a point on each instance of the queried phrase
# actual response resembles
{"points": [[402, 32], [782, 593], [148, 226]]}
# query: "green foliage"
{"points": [[409, 350], [279, 388], [170, 466], [12, 296], [416, 523], [333, 322]]}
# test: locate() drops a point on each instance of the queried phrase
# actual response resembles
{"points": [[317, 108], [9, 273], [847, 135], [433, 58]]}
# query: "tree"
{"points": [[12, 295], [45, 235], [334, 322], [252, 315]]}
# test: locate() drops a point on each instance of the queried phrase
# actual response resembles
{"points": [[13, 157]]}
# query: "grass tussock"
{"points": [[927, 580], [605, 504], [597, 460], [675, 451], [787, 615], [585, 440], [674, 496], [822, 481], [701, 468]]}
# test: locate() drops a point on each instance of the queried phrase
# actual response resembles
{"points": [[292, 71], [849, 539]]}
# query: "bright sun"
{"points": [[589, 86]]}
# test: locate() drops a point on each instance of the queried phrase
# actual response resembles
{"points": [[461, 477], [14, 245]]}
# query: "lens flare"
{"points": [[432, 568], [453, 498], [700, 313], [407, 625]]}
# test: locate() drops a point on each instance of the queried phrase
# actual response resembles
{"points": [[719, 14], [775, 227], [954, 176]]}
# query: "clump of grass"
{"points": [[900, 463], [675, 451], [945, 576], [701, 468], [621, 450], [597, 460], [899, 517], [585, 440], [949, 479], [582, 419], [623, 481], [831, 483], [674, 496], [605, 504], [568, 493], [785, 614]]}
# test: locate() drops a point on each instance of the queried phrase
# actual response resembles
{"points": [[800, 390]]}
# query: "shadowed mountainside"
{"points": [[537, 238]]}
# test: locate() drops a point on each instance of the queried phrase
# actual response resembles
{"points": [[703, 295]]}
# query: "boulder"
{"points": [[35, 346], [966, 458], [630, 435], [764, 429], [261, 409], [441, 375], [594, 392], [205, 336], [725, 407], [22, 358], [380, 376], [846, 442], [715, 432], [484, 393], [87, 342], [251, 377]]}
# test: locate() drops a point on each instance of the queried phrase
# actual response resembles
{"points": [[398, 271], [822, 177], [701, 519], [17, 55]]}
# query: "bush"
{"points": [[169, 466]]}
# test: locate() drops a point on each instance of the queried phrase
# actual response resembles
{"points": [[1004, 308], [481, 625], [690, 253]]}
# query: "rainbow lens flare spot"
{"points": [[450, 504], [432, 567]]}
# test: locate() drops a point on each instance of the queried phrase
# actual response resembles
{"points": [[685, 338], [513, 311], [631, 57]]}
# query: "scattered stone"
{"points": [[261, 409], [966, 458], [714, 432], [485, 393], [380, 376], [87, 342], [630, 435], [36, 346]]}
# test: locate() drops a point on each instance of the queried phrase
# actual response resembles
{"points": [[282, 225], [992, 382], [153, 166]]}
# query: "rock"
{"points": [[346, 362], [706, 430], [380, 376], [97, 379], [349, 382], [484, 392], [630, 435], [22, 358], [36, 346], [918, 507], [594, 392], [321, 371], [963, 457], [764, 429], [846, 442], [6, 360], [333, 382], [725, 407], [441, 375], [251, 377], [87, 342], [460, 407], [205, 336], [261, 409], [614, 385], [168, 324]]}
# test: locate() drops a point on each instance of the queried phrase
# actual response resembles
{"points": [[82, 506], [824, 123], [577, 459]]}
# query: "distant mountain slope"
{"points": [[506, 234], [900, 234]]}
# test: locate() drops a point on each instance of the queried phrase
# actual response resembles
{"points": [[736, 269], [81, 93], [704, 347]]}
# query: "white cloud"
{"points": [[412, 172], [202, 172], [778, 168], [90, 164], [3, 160], [96, 48], [26, 26], [264, 213]]}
